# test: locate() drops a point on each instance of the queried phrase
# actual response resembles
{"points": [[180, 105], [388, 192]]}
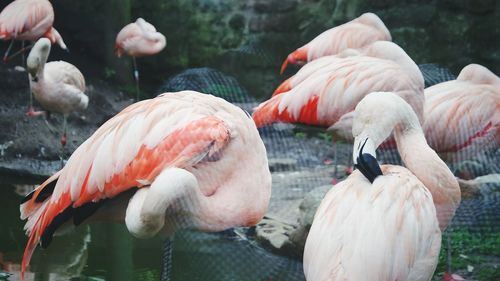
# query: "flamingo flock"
{"points": [[192, 160]]}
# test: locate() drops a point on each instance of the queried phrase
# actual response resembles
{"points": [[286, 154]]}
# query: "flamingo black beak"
{"points": [[365, 159]]}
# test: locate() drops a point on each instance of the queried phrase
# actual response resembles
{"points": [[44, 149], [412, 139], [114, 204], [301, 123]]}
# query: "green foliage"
{"points": [[300, 135], [472, 248], [109, 72]]}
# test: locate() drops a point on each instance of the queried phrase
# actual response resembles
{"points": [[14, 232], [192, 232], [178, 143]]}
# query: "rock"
{"points": [[307, 208], [287, 238], [271, 23], [274, 235], [274, 6], [282, 164], [209, 81]]}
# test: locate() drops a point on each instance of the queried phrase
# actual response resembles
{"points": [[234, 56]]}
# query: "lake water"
{"points": [[109, 252]]}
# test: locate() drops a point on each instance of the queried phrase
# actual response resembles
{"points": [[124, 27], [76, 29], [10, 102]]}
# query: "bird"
{"points": [[190, 159], [28, 20], [462, 116], [57, 85], [357, 33], [325, 92], [381, 222], [139, 39]]}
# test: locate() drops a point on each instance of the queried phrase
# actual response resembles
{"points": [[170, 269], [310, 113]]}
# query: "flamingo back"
{"points": [[26, 19], [388, 229], [324, 96], [183, 130], [462, 119]]}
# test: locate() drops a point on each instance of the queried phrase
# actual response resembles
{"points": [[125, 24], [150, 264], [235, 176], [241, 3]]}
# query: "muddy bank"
{"points": [[28, 149]]}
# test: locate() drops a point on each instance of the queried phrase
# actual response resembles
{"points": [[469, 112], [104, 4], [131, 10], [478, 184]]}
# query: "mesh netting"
{"points": [[302, 159]]}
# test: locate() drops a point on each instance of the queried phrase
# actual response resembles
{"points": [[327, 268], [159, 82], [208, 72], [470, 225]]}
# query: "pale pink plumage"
{"points": [[29, 20], [139, 39], [210, 140], [326, 91], [388, 229], [462, 117], [357, 33], [58, 86]]}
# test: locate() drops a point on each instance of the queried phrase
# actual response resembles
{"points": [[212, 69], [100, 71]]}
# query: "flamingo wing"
{"points": [[128, 151], [65, 73], [33, 16], [462, 118], [323, 98], [388, 229]]}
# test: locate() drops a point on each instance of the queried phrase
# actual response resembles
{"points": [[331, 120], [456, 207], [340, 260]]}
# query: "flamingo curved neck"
{"points": [[426, 165]]}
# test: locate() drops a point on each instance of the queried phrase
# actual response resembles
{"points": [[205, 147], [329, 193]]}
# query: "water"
{"points": [[109, 252]]}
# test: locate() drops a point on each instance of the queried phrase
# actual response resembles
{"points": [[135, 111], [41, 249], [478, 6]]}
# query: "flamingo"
{"points": [[462, 116], [28, 20], [58, 86], [139, 39], [326, 91], [196, 160], [355, 34], [381, 222]]}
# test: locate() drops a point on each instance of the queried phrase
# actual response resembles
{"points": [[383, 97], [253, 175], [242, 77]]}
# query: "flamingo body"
{"points": [[382, 231], [357, 33], [194, 157], [326, 91], [462, 116], [383, 223], [29, 20], [58, 86], [139, 39]]}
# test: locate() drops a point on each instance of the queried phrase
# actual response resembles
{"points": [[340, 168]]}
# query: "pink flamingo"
{"points": [[58, 86], [197, 161], [462, 116], [381, 223], [355, 34], [28, 20], [326, 91], [139, 39]]}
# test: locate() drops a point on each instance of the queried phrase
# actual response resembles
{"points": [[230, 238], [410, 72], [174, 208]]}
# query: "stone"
{"points": [[282, 164], [274, 6], [274, 235]]}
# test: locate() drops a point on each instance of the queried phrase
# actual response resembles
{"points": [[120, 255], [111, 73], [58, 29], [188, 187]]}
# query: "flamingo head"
{"points": [[375, 117], [38, 57]]}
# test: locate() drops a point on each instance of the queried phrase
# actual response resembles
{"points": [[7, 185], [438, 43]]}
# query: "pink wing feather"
{"points": [[26, 19], [129, 150]]}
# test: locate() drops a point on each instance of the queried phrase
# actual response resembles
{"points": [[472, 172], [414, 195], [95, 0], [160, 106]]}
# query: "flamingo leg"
{"points": [[448, 251], [63, 140], [5, 56], [51, 128], [166, 270], [21, 51], [136, 78]]}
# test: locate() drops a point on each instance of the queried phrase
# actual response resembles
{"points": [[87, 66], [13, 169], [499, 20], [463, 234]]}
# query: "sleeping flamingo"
{"points": [[58, 86], [139, 39], [195, 160], [380, 223], [326, 91], [462, 116], [28, 20], [355, 34]]}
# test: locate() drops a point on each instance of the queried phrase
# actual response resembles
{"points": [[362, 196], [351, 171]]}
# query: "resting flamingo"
{"points": [[380, 223], [462, 116], [355, 34], [28, 20], [139, 39], [326, 91], [58, 86], [196, 160]]}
